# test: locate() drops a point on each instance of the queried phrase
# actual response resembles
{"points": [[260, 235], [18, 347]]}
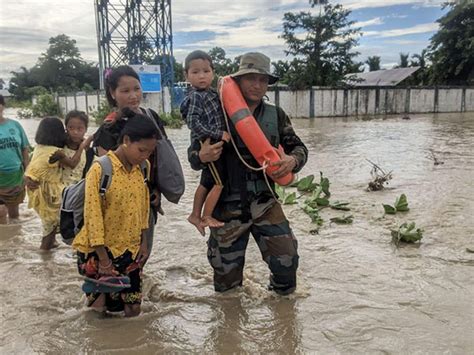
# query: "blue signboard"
{"points": [[150, 77], [151, 82]]}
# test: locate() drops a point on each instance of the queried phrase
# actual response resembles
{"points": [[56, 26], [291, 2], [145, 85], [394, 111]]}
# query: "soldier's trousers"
{"points": [[274, 237]]}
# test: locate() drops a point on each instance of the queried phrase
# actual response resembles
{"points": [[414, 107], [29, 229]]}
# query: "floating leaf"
{"points": [[343, 206], [389, 209], [313, 213], [324, 183], [322, 201], [407, 233], [306, 184], [343, 220], [290, 199], [401, 203]]}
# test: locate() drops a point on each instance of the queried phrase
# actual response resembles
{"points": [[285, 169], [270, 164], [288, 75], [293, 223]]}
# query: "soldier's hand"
{"points": [[210, 152], [286, 164]]}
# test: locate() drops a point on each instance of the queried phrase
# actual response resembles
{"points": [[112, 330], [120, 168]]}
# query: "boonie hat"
{"points": [[255, 62]]}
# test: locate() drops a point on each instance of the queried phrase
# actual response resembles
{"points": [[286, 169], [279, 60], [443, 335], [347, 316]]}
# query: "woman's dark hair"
{"points": [[112, 78], [198, 54], [137, 126], [51, 132], [77, 114], [2, 100]]}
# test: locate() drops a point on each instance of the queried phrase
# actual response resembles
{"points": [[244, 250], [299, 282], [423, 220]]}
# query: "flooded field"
{"points": [[357, 293]]}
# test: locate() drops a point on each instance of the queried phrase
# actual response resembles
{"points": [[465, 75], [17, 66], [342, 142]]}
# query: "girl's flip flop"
{"points": [[105, 284]]}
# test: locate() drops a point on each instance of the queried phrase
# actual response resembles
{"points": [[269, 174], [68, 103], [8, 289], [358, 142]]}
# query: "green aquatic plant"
{"points": [[313, 213], [407, 233], [305, 184], [284, 197], [342, 206], [401, 205], [342, 220]]}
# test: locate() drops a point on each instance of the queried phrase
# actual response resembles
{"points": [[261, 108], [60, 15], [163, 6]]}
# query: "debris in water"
{"points": [[379, 176], [435, 160], [342, 220]]}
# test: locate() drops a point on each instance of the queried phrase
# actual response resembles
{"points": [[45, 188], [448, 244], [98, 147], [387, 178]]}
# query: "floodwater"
{"points": [[357, 293]]}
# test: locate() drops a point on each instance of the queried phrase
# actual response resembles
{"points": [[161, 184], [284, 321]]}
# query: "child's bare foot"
{"points": [[208, 221], [196, 221], [49, 242]]}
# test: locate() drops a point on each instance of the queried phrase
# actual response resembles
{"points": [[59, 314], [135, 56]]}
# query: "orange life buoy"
{"points": [[249, 130]]}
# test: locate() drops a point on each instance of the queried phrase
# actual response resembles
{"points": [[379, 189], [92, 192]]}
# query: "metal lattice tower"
{"points": [[135, 32]]}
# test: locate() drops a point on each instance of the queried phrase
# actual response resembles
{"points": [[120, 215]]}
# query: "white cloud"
{"points": [[361, 4], [371, 22], [421, 28]]}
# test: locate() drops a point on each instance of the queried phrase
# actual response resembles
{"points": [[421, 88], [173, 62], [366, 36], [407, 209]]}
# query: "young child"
{"points": [[202, 111], [45, 197], [73, 157], [112, 240]]}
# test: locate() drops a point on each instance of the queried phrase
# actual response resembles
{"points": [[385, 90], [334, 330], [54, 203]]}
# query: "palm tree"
{"points": [[420, 59], [404, 60], [373, 63]]}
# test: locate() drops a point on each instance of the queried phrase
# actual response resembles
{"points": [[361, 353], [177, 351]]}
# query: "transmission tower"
{"points": [[135, 32]]}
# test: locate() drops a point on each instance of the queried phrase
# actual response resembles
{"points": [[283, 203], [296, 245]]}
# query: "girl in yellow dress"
{"points": [[56, 163], [112, 240], [45, 198]]}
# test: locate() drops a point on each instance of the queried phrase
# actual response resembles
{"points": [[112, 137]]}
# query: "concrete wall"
{"points": [[325, 101], [89, 102]]}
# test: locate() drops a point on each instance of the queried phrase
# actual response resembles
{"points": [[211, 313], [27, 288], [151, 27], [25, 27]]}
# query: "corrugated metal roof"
{"points": [[388, 77]]}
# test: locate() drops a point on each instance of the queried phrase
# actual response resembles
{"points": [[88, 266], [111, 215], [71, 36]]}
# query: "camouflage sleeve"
{"points": [[290, 142]]}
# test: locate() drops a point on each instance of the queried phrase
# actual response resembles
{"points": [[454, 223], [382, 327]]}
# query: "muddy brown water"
{"points": [[357, 293]]}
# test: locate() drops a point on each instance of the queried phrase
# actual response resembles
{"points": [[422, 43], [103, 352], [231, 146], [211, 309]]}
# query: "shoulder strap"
{"points": [[145, 170], [151, 116], [106, 174]]}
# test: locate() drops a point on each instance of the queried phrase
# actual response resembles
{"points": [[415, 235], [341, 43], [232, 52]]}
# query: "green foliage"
{"points": [[403, 60], [45, 105], [342, 220], [102, 111], [25, 113], [401, 205], [60, 68], [223, 65], [373, 63], [451, 50], [178, 70], [13, 102], [284, 197], [306, 184], [324, 55], [172, 119], [342, 206], [406, 233], [313, 213]]}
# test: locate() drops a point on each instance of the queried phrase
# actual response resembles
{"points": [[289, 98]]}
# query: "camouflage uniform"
{"points": [[247, 206]]}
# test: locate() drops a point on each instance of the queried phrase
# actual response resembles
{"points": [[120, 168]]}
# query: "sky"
{"points": [[389, 27]]}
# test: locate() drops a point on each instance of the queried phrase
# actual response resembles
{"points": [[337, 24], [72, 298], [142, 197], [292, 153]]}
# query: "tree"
{"points": [[178, 69], [222, 65], [321, 44], [373, 63], [403, 60], [419, 59], [60, 68], [451, 50]]}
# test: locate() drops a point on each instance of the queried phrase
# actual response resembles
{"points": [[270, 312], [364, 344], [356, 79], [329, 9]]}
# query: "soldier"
{"points": [[246, 204]]}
